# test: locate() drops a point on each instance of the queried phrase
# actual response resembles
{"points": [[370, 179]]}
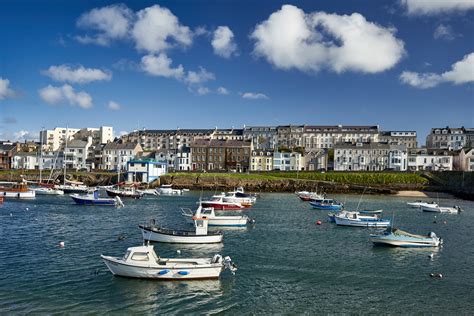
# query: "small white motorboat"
{"points": [[200, 235], [442, 209], [419, 204], [143, 262], [399, 238], [148, 191], [217, 202], [215, 220], [358, 220], [47, 191], [167, 189], [18, 190]]}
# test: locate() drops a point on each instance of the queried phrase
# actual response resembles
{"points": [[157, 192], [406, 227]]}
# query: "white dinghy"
{"points": [[143, 262], [442, 209], [200, 235], [215, 220]]}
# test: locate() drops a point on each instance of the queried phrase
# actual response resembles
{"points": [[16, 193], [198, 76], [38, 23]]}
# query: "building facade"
{"points": [[446, 138], [7, 152], [220, 155], [261, 160], [145, 170], [183, 160], [288, 161], [263, 137], [464, 160], [325, 137], [407, 138], [421, 159], [54, 139], [116, 155]]}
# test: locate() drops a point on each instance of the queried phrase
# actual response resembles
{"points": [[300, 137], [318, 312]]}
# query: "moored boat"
{"points": [[47, 191], [167, 189], [326, 204], [441, 209], [215, 220], [369, 212], [143, 262], [17, 190], [419, 204], [200, 235], [94, 199], [358, 220], [399, 238], [218, 203], [124, 191]]}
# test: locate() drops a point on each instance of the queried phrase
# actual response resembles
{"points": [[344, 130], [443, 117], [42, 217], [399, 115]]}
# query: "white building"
{"points": [[182, 161], [464, 161], [145, 170], [262, 160], [369, 157], [27, 161], [431, 160], [320, 136], [76, 154], [446, 138], [116, 155], [54, 139], [398, 158], [291, 161]]}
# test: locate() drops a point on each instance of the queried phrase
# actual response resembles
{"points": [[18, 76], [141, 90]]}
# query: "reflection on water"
{"points": [[286, 263]]}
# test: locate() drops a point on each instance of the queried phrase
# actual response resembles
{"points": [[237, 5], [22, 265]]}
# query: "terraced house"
{"points": [[220, 155]]}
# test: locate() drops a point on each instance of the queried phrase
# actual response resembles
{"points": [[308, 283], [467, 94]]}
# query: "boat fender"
{"points": [[163, 272], [183, 272]]}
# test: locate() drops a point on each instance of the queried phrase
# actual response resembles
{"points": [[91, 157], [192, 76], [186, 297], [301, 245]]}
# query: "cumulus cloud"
{"points": [[161, 66], [203, 91], [158, 29], [461, 72], [65, 73], [111, 22], [444, 32], [223, 42], [198, 77], [254, 96], [292, 39], [122, 133], [431, 7], [55, 95], [5, 90], [114, 106], [222, 90]]}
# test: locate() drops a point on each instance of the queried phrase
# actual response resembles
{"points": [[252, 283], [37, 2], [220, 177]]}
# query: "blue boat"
{"points": [[326, 204], [94, 199]]}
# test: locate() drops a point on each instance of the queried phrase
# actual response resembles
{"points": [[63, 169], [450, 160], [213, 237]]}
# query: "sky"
{"points": [[399, 64]]}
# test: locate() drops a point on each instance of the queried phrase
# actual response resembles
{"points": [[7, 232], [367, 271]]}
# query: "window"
{"points": [[140, 256]]}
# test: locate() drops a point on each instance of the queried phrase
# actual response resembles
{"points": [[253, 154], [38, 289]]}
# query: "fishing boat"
{"points": [[93, 198], [200, 235], [17, 190], [399, 238], [419, 204], [441, 209], [218, 203], [144, 262], [356, 219], [124, 191], [326, 204], [167, 189], [213, 219], [234, 197]]}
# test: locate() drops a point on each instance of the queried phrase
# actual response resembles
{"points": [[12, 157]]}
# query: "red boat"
{"points": [[218, 203]]}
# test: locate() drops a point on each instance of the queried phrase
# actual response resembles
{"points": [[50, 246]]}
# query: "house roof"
{"points": [[220, 143], [120, 146], [76, 143]]}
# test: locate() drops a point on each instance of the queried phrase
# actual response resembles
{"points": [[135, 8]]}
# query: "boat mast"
{"points": [[118, 169], [41, 157], [64, 160]]}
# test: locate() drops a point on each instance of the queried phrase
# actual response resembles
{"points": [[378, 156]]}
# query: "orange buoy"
{"points": [[318, 222]]}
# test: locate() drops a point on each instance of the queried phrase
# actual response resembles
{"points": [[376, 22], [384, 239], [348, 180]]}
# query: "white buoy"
{"points": [[431, 256], [27, 209], [178, 251], [61, 244], [11, 214]]}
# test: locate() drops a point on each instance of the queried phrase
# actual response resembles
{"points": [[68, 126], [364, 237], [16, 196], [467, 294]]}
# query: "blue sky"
{"points": [[405, 65]]}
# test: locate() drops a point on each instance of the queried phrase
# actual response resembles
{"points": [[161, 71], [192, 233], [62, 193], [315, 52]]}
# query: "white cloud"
{"points": [[223, 42], [200, 31], [5, 90], [114, 105], [290, 38], [430, 7], [54, 95], [161, 66], [444, 32], [112, 22], [123, 133], [64, 73], [203, 91], [156, 26], [199, 77], [254, 96], [20, 135], [222, 90], [461, 72]]}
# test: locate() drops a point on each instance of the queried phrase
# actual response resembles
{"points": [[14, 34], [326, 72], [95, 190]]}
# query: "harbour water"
{"points": [[287, 263]]}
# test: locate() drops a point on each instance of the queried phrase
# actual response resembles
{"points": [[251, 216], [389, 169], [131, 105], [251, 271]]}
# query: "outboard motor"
{"points": [[228, 264], [216, 259]]}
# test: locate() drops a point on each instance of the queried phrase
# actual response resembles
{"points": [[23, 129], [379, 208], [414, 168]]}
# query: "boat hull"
{"points": [[18, 195], [48, 191], [439, 209], [223, 221], [403, 243], [99, 201], [180, 239], [168, 272], [114, 193], [318, 206], [222, 206], [361, 223]]}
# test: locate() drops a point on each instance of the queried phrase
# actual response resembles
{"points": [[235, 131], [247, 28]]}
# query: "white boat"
{"points": [[399, 238], [441, 209], [147, 191], [215, 220], [419, 204], [235, 197], [143, 262], [358, 220], [167, 189], [47, 191], [200, 235], [17, 191], [217, 202]]}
